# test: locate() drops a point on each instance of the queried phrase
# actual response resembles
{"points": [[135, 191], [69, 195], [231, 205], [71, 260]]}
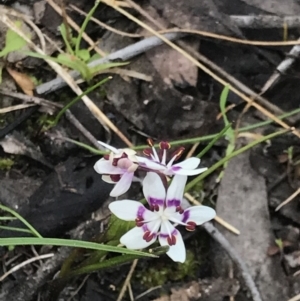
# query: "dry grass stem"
{"points": [[202, 66], [21, 265], [76, 27], [101, 117], [15, 108], [107, 27], [127, 280], [289, 199]]}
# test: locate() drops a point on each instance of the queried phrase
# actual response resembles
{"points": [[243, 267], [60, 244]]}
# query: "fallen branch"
{"points": [[27, 289], [218, 236], [123, 54], [265, 21]]}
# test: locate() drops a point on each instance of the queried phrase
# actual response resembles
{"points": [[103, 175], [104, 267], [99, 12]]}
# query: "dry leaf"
{"points": [[23, 81]]}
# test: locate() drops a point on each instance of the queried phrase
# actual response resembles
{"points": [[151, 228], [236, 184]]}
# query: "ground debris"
{"points": [[204, 290], [242, 199]]}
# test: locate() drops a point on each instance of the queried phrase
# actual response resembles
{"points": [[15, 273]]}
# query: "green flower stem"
{"points": [[213, 141], [190, 140], [233, 154], [108, 263], [71, 103]]}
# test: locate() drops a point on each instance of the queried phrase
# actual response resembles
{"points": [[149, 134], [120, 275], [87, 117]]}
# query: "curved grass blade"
{"points": [[18, 216], [27, 241]]}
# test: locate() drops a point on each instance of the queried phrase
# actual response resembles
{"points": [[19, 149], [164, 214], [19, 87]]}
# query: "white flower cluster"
{"points": [[165, 211]]}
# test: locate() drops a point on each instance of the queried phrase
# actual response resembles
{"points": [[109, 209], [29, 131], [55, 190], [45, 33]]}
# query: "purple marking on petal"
{"points": [[176, 168], [164, 235], [145, 228], [141, 212], [185, 216], [173, 202], [154, 201]]}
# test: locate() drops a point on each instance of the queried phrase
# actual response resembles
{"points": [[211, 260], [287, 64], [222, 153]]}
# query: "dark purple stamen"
{"points": [[115, 178], [147, 152], [164, 145], [139, 221], [171, 240], [148, 236], [179, 209], [191, 226], [178, 153]]}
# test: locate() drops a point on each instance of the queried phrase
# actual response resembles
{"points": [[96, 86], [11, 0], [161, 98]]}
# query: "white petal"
{"points": [[103, 166], [188, 172], [108, 179], [128, 210], [123, 185], [190, 163], [109, 147], [155, 155], [154, 190], [129, 152], [175, 191], [133, 239], [150, 164], [198, 214], [176, 252], [154, 225], [167, 229]]}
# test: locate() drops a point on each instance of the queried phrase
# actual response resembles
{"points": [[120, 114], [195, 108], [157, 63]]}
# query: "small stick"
{"points": [[15, 108], [79, 287], [101, 117], [54, 106], [289, 199], [127, 280], [28, 98], [282, 67], [22, 264], [82, 129], [218, 236]]}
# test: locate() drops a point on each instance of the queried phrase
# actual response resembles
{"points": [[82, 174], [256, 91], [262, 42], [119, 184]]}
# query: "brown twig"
{"points": [[31, 99], [127, 280], [101, 117], [54, 106], [24, 263], [289, 199]]}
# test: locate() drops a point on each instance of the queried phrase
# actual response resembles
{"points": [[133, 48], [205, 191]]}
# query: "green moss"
{"points": [[6, 163], [164, 271]]}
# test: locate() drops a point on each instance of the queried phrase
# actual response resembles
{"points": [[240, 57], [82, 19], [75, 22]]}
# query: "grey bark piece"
{"points": [[277, 7], [242, 200], [122, 54]]}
